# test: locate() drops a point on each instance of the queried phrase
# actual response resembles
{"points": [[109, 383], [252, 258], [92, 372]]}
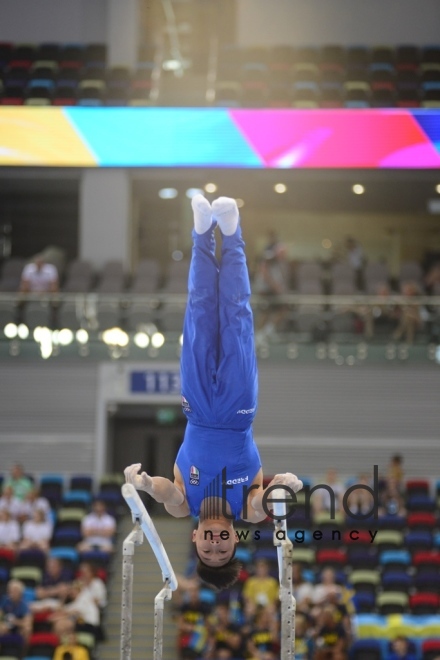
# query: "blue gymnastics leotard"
{"points": [[218, 375]]}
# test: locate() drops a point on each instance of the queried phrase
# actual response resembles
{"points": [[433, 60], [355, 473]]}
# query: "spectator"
{"points": [[54, 585], [400, 650], [10, 503], [263, 639], [326, 588], [360, 501], [391, 500], [225, 638], [98, 529], [32, 502], [39, 277], [395, 471], [356, 258], [19, 483], [90, 581], [303, 638], [272, 280], [36, 532], [83, 607], [325, 497], [410, 316], [192, 625], [381, 317], [16, 617], [432, 278], [260, 589], [71, 650], [331, 639], [302, 590], [9, 531]]}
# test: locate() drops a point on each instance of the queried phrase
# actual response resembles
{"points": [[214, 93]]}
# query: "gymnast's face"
{"points": [[211, 548]]}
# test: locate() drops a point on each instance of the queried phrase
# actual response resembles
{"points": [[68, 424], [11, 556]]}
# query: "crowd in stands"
{"points": [[284, 76], [343, 585], [56, 545], [347, 273]]}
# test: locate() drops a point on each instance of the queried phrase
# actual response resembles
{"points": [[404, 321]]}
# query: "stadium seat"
{"points": [[418, 540], [30, 575], [421, 520], [394, 558], [304, 556], [364, 602], [392, 602], [146, 279], [361, 558], [417, 487], [424, 603], [7, 558], [391, 522], [388, 539], [12, 645], [42, 644], [32, 557], [365, 580], [396, 580], [81, 482], [334, 558], [430, 649], [366, 649], [76, 499], [68, 555]]}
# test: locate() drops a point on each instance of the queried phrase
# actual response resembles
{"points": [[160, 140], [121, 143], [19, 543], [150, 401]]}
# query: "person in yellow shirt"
{"points": [[260, 589]]}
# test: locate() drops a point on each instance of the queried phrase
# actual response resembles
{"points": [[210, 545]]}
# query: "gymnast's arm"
{"points": [[255, 512], [161, 489]]}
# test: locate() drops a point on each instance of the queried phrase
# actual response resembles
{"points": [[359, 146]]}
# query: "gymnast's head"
{"points": [[216, 542]]}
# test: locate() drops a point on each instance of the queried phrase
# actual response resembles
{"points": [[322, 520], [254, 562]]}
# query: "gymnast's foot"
{"points": [[202, 214], [225, 211]]}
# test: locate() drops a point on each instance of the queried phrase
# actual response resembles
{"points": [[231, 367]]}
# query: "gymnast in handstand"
{"points": [[217, 474]]}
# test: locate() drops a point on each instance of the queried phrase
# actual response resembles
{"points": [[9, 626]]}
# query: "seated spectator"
{"points": [[400, 650], [391, 501], [36, 532], [382, 317], [54, 586], [18, 481], [303, 638], [326, 499], [39, 277], [263, 639], [15, 615], [260, 589], [395, 471], [410, 316], [192, 625], [302, 590], [71, 650], [225, 638], [331, 638], [326, 588], [360, 501], [33, 501], [9, 531], [98, 529], [10, 503], [271, 280], [88, 595]]}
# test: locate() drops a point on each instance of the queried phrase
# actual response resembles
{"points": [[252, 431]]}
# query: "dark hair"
{"points": [[219, 577]]}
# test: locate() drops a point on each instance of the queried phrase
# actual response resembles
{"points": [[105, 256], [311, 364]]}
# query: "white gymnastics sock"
{"points": [[225, 211], [202, 214]]}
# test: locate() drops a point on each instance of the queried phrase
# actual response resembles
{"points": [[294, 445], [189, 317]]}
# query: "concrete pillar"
{"points": [[122, 32], [105, 216]]}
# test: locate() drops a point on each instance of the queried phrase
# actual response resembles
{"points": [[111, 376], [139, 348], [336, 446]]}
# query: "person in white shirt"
{"points": [[39, 277], [8, 502], [98, 529], [36, 532], [9, 531], [31, 503]]}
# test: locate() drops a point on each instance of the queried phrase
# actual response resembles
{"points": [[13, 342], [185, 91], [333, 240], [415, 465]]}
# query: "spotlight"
{"points": [[280, 188], [10, 330], [115, 337], [326, 243], [437, 188], [210, 187], [65, 337], [82, 336], [240, 203], [172, 65], [177, 255], [168, 193], [23, 331], [191, 192], [358, 189], [157, 340], [141, 339], [181, 340]]}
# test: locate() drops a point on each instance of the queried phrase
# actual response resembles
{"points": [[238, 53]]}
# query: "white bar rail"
{"points": [[285, 555]]}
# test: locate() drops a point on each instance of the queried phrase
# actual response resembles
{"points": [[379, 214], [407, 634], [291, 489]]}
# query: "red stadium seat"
{"points": [[331, 557]]}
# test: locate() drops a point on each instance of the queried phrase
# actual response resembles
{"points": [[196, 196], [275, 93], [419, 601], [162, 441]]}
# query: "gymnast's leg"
{"points": [[200, 328], [237, 377]]}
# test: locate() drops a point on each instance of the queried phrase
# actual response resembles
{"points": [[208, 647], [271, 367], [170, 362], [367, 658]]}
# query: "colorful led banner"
{"points": [[219, 137]]}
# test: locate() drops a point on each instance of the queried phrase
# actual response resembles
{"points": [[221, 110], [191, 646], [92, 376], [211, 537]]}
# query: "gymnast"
{"points": [[217, 474]]}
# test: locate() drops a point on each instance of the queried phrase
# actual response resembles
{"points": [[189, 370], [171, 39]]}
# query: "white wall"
{"points": [[104, 210], [310, 22], [37, 21]]}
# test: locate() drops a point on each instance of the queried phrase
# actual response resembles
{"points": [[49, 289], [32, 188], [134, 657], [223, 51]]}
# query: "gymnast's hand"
{"points": [[139, 481], [287, 479]]}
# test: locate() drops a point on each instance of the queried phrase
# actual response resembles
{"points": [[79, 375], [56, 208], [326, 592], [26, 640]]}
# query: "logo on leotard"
{"points": [[194, 476], [185, 405], [245, 412]]}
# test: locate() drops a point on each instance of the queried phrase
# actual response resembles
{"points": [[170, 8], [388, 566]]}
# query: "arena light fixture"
{"points": [[172, 65], [168, 193], [437, 189], [10, 330], [240, 203], [115, 337], [192, 192], [82, 336], [23, 331], [326, 243], [358, 189], [141, 339], [65, 337], [280, 188], [177, 255], [211, 188], [157, 340]]}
